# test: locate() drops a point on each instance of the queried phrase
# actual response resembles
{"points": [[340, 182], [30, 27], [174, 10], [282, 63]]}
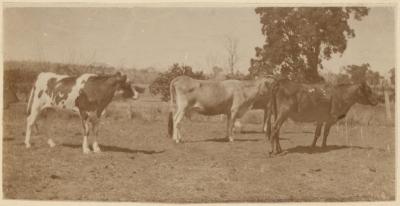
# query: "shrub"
{"points": [[160, 86]]}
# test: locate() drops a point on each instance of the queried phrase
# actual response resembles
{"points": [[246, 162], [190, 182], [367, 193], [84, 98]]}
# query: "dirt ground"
{"points": [[139, 163]]}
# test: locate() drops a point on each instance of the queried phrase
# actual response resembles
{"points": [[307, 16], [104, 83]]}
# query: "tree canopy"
{"points": [[297, 39], [392, 75], [360, 73]]}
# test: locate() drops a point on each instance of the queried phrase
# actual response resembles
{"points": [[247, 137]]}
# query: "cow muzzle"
{"points": [[373, 101], [135, 96]]}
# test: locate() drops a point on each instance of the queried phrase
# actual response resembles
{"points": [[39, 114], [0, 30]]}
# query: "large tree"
{"points": [[298, 38]]}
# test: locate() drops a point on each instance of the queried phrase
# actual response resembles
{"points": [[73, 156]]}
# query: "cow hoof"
{"points": [[230, 139], [86, 151], [27, 145], [96, 149], [51, 143], [282, 153], [276, 153]]}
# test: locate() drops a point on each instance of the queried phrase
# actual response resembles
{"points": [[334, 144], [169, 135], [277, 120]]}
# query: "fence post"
{"points": [[387, 105], [346, 131]]}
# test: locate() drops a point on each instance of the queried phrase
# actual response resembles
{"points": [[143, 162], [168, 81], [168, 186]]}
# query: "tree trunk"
{"points": [[313, 61]]}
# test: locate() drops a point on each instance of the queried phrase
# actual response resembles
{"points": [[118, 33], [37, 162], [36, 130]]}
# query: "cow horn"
{"points": [[139, 89], [271, 76]]}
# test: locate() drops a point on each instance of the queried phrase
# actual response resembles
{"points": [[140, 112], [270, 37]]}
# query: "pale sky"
{"points": [[158, 37]]}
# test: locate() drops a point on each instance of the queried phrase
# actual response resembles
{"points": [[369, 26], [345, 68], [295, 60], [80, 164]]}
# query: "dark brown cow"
{"points": [[230, 97], [318, 103], [88, 95]]}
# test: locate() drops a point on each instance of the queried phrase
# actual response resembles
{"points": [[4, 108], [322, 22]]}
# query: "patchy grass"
{"points": [[139, 162]]}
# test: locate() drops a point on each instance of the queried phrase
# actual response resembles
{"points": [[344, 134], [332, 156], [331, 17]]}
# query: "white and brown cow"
{"points": [[87, 94]]}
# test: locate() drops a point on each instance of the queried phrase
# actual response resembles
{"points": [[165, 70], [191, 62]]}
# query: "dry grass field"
{"points": [[139, 162]]}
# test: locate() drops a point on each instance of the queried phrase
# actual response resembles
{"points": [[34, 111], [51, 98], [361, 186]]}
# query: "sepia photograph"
{"points": [[199, 103]]}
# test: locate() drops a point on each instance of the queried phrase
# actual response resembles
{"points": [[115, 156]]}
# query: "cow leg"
{"points": [[268, 125], [30, 122], [326, 133], [317, 133], [180, 113], [36, 128], [277, 142], [231, 121], [177, 120], [265, 125], [237, 126], [50, 142], [48, 132], [228, 125], [236, 113], [274, 140], [86, 127], [95, 130]]}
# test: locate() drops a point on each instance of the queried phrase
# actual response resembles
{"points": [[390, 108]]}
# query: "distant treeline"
{"points": [[351, 74], [19, 76]]}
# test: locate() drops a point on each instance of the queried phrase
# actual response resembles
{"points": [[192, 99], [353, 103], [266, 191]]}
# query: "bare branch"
{"points": [[231, 45]]}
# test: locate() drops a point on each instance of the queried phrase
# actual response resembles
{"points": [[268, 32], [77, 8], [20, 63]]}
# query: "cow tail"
{"points": [[172, 109], [274, 106], [30, 101]]}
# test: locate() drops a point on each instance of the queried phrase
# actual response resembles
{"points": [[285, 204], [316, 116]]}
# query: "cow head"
{"points": [[126, 87], [268, 83], [366, 96]]}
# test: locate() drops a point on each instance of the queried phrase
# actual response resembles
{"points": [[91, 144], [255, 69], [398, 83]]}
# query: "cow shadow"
{"points": [[283, 132], [313, 150], [106, 148], [296, 132], [251, 132], [235, 140], [8, 139], [222, 140]]}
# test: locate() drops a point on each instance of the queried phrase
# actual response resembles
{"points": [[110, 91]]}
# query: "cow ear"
{"points": [[118, 74], [123, 78], [268, 82], [363, 85]]}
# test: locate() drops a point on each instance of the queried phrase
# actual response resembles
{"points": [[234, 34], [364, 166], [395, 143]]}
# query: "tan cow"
{"points": [[230, 97]]}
